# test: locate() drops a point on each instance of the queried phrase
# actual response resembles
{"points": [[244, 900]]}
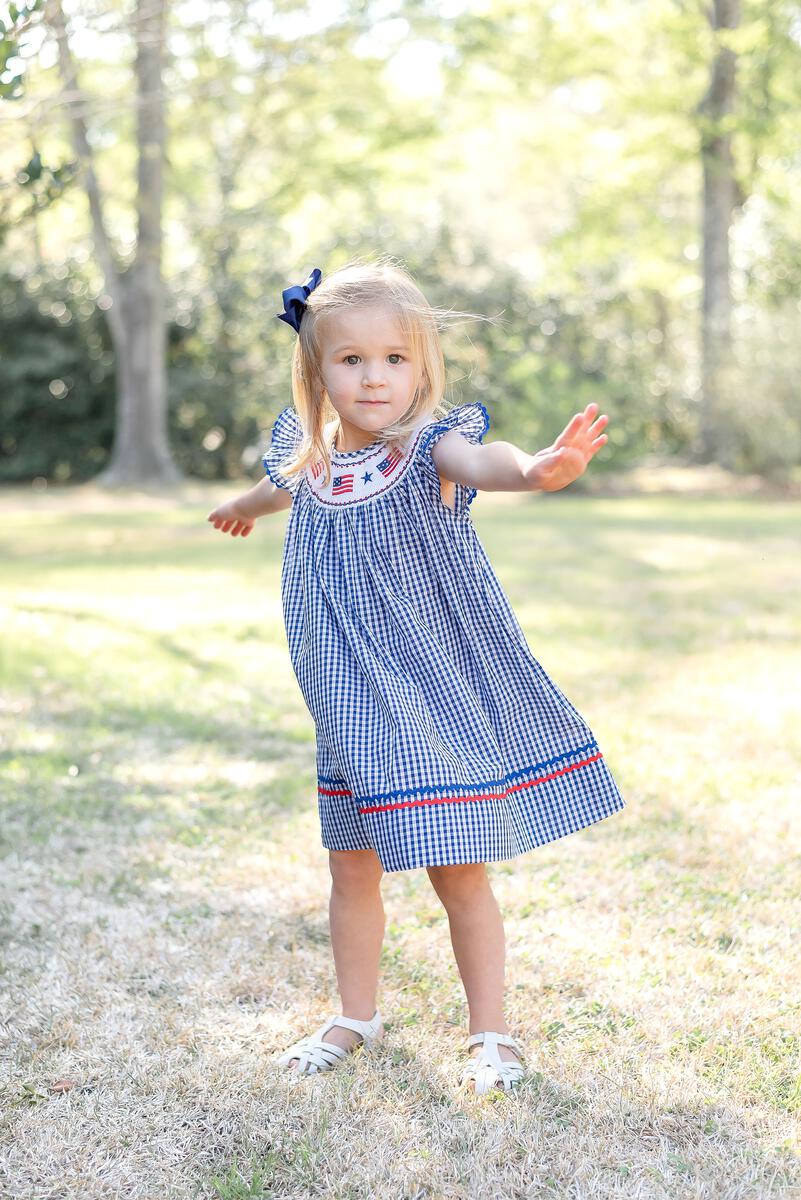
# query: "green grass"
{"points": [[163, 904]]}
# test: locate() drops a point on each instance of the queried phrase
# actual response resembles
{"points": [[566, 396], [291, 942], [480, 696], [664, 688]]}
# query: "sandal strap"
{"points": [[368, 1029], [313, 1052], [487, 1069], [487, 1076], [493, 1039]]}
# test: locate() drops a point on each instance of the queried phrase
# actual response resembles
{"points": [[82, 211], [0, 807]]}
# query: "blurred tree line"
{"points": [[557, 167]]}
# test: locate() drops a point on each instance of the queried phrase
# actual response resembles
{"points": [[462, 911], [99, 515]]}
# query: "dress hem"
{"points": [[393, 864], [444, 830], [493, 789]]}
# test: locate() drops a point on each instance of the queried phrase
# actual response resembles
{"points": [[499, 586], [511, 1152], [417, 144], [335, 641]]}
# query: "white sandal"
{"points": [[315, 1055], [487, 1069]]}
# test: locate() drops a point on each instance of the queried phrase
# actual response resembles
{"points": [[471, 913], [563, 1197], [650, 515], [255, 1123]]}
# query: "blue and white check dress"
{"points": [[440, 738]]}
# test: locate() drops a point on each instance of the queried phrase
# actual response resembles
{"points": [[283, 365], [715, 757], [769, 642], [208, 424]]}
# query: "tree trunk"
{"points": [[719, 198], [141, 453]]}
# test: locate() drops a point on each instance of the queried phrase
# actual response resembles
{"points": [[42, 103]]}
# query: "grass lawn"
{"points": [[164, 891]]}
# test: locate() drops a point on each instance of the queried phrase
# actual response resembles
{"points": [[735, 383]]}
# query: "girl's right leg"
{"points": [[356, 915]]}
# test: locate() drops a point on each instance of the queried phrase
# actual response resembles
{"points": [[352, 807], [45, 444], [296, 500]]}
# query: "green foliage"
{"points": [[758, 414], [58, 387], [39, 185], [56, 379], [12, 32]]}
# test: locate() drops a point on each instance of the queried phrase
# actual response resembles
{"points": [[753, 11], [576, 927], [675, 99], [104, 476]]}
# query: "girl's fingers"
{"points": [[579, 423], [569, 432], [232, 525], [589, 424], [589, 417], [585, 436]]}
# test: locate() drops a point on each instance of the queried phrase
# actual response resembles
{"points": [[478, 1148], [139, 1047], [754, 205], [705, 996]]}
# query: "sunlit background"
{"points": [[568, 169]]}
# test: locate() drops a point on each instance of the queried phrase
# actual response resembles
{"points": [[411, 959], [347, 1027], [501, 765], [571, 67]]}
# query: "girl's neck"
{"points": [[353, 449], [359, 437], [348, 441]]}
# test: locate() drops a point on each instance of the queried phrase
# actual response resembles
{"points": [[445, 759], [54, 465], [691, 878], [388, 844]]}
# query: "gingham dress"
{"points": [[440, 738]]}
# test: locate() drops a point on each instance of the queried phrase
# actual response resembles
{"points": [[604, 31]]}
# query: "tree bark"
{"points": [[141, 453], [720, 194]]}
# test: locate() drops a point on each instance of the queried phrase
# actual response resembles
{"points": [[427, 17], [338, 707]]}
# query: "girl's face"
{"points": [[368, 372]]}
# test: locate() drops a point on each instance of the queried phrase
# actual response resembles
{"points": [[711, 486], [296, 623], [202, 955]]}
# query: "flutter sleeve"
{"points": [[285, 439], [472, 422]]}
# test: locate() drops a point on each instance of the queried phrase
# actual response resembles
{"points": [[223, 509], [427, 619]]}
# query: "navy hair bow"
{"points": [[295, 297]]}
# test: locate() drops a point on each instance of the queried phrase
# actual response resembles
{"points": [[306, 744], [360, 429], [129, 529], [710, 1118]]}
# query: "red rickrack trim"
{"points": [[375, 808]]}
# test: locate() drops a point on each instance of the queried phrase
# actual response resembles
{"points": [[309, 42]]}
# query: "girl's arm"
{"points": [[266, 497], [239, 515], [504, 467]]}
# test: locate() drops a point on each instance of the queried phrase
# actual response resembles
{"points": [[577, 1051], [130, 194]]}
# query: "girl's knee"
{"points": [[458, 879], [355, 870]]}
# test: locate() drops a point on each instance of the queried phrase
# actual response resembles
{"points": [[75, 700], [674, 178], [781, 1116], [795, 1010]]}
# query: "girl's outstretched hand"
{"points": [[560, 463], [228, 518]]}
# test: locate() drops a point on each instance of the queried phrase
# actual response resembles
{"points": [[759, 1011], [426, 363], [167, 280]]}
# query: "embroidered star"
{"points": [[367, 476]]}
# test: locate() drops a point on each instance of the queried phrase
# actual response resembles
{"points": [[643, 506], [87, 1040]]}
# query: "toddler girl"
{"points": [[441, 741]]}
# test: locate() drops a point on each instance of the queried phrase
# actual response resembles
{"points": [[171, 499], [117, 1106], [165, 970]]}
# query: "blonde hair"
{"points": [[386, 284]]}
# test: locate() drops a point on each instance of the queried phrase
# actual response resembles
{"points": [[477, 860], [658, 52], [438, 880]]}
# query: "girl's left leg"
{"points": [[477, 934]]}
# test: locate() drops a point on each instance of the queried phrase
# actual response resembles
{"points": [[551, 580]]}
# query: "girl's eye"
{"points": [[394, 358]]}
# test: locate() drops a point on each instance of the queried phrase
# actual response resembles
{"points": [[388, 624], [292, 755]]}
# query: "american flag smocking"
{"points": [[376, 469], [342, 484], [388, 464]]}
